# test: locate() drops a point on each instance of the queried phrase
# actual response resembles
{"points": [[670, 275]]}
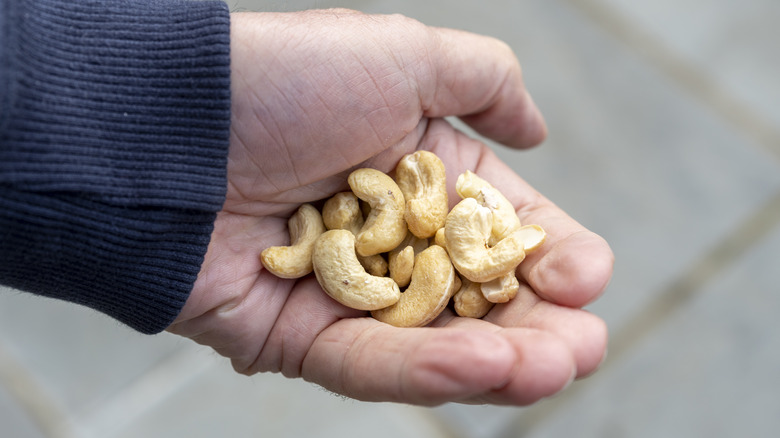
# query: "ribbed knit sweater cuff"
{"points": [[114, 124]]}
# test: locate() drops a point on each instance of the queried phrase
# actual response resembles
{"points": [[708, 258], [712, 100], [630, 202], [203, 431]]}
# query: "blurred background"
{"points": [[664, 121]]}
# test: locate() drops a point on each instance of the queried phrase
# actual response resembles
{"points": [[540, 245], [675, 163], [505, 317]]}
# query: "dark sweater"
{"points": [[114, 124]]}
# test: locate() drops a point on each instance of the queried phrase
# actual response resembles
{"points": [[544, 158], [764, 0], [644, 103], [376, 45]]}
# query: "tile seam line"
{"points": [[694, 80], [669, 299], [27, 392]]}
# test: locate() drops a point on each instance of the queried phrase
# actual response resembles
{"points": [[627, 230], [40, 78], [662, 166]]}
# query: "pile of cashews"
{"points": [[402, 236]]}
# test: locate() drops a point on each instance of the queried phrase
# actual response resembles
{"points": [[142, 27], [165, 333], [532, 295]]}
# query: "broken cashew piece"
{"points": [[501, 289], [505, 219], [385, 227], [294, 261], [400, 264], [433, 284], [422, 179], [533, 236], [467, 232], [343, 278], [400, 261], [469, 301], [342, 212], [374, 264], [439, 238]]}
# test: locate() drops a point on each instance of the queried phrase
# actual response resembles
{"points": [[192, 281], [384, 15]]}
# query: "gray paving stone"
{"points": [[78, 355], [710, 370], [15, 422], [222, 403], [735, 42]]}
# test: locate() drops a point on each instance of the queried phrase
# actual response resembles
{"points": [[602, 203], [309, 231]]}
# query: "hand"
{"points": [[317, 94]]}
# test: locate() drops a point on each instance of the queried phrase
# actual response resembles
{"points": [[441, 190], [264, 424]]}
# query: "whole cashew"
{"points": [[385, 227], [505, 219], [433, 284], [468, 301], [422, 179], [467, 232], [294, 261], [343, 278], [342, 212], [501, 289]]}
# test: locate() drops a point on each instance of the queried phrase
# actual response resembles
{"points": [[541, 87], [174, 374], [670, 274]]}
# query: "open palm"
{"points": [[320, 93]]}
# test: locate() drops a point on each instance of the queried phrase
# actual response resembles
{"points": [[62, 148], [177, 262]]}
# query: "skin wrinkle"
{"points": [[429, 373], [235, 305], [495, 97], [354, 349], [433, 70], [334, 115], [278, 138], [541, 272], [486, 397], [385, 90], [421, 373], [248, 369], [442, 66], [381, 92], [210, 279], [247, 155], [281, 142], [298, 329], [388, 107], [531, 311]]}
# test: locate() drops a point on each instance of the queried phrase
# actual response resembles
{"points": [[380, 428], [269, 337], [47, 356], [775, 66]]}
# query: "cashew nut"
{"points": [[385, 226], [400, 261], [433, 284], [473, 254], [439, 238], [501, 289], [467, 232], [344, 279], [505, 219], [533, 236], [469, 302], [342, 212], [374, 264], [294, 261], [400, 265], [422, 179]]}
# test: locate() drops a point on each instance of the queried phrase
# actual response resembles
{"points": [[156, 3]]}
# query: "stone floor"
{"points": [[664, 121]]}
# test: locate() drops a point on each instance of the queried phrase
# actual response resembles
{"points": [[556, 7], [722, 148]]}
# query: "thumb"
{"points": [[479, 79]]}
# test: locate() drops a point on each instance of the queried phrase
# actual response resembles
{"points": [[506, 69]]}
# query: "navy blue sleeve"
{"points": [[114, 125]]}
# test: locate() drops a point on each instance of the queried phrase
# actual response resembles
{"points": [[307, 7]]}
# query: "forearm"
{"points": [[114, 133]]}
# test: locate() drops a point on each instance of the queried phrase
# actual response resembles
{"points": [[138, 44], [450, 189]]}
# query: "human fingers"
{"points": [[368, 360], [584, 333], [569, 271], [479, 79], [574, 265]]}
